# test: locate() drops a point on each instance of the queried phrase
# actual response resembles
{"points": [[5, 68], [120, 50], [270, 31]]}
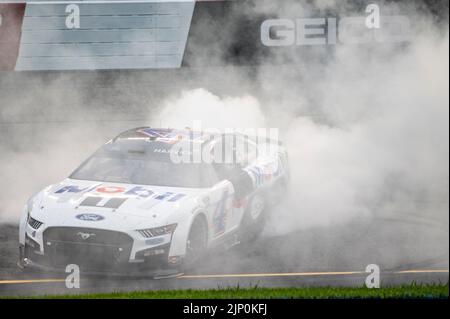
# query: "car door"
{"points": [[220, 204], [231, 199], [244, 153]]}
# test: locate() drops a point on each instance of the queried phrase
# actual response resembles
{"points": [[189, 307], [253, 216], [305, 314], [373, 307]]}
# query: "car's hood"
{"points": [[98, 204]]}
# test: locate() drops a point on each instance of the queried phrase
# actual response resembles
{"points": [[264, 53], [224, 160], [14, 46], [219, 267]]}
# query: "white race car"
{"points": [[131, 207]]}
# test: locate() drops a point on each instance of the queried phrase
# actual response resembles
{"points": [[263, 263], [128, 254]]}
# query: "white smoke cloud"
{"points": [[390, 123], [380, 144], [200, 105]]}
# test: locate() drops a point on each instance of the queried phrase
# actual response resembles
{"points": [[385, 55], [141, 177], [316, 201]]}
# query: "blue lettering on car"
{"points": [[71, 189], [140, 191]]}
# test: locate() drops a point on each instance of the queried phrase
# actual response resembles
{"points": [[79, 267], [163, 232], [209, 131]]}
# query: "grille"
{"points": [[87, 247], [34, 223]]}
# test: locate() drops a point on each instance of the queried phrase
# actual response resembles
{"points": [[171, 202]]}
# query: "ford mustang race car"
{"points": [[147, 200]]}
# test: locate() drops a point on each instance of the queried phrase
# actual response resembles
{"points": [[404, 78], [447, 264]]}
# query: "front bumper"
{"points": [[102, 252]]}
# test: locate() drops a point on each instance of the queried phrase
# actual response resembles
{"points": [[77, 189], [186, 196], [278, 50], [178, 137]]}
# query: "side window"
{"points": [[234, 151], [211, 176], [222, 152]]}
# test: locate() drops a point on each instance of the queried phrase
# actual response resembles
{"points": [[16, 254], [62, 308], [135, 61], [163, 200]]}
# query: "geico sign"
{"points": [[322, 31]]}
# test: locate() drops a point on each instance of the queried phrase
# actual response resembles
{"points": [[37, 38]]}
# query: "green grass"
{"points": [[408, 291]]}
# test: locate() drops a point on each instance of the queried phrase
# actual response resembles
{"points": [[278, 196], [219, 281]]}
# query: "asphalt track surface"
{"points": [[406, 251]]}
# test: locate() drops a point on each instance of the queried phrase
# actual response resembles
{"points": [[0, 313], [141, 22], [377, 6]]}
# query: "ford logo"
{"points": [[90, 217]]}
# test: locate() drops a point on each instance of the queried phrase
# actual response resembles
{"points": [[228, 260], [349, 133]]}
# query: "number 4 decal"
{"points": [[220, 215]]}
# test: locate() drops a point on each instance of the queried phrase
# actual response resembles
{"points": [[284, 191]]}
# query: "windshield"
{"points": [[142, 162]]}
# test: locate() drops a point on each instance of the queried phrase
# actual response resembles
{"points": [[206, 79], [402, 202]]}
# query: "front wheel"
{"points": [[197, 242]]}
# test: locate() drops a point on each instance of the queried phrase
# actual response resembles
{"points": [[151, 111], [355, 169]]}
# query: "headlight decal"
{"points": [[35, 224], [157, 231]]}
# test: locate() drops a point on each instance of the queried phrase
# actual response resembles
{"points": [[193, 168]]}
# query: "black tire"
{"points": [[196, 243], [254, 219], [278, 191]]}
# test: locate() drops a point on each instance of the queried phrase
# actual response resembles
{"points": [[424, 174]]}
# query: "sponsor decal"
{"points": [[261, 174], [140, 191], [90, 217], [171, 136], [71, 189], [330, 31], [176, 197], [103, 202], [110, 189], [137, 191]]}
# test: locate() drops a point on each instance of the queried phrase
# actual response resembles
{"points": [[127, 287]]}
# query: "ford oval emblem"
{"points": [[90, 217]]}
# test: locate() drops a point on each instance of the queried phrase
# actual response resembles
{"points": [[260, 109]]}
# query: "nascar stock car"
{"points": [[131, 207]]}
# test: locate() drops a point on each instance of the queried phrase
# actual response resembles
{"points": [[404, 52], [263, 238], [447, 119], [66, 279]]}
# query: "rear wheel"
{"points": [[197, 242], [254, 219]]}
